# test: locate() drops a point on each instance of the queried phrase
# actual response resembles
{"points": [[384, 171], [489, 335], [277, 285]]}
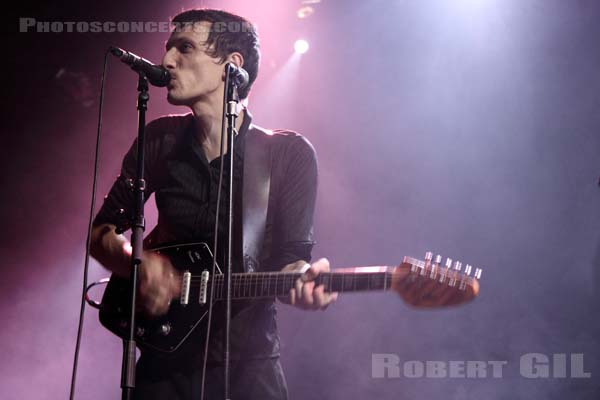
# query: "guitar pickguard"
{"points": [[168, 332]]}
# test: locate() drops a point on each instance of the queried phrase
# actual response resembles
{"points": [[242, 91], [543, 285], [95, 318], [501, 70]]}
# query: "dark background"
{"points": [[469, 128]]}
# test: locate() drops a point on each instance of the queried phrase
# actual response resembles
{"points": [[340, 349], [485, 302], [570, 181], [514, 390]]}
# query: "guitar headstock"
{"points": [[429, 283]]}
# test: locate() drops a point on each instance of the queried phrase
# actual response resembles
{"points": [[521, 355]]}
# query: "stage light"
{"points": [[301, 46], [305, 12]]}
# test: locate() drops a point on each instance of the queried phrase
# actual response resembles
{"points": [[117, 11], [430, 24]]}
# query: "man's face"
{"points": [[195, 75]]}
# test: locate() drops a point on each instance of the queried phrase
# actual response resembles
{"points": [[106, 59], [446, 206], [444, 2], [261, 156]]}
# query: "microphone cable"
{"points": [[89, 230], [216, 240]]}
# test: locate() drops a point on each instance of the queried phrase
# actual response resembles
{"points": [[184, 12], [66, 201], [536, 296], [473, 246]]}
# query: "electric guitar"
{"points": [[440, 285]]}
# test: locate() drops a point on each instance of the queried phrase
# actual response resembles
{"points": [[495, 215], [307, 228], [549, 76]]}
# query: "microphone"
{"points": [[238, 75], [156, 74]]}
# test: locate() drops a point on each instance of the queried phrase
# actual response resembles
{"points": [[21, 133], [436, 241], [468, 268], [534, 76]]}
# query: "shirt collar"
{"points": [[240, 138]]}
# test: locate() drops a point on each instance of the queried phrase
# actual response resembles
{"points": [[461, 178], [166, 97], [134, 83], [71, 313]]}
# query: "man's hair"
{"points": [[228, 33]]}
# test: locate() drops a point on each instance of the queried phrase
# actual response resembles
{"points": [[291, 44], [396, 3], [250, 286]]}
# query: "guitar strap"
{"points": [[255, 194]]}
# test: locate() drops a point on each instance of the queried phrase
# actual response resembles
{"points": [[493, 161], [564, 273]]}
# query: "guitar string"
{"points": [[245, 291], [249, 292], [344, 281], [281, 283], [264, 290], [277, 277]]}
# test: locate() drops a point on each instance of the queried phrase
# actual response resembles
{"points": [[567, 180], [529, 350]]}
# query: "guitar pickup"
{"points": [[203, 287], [185, 288]]}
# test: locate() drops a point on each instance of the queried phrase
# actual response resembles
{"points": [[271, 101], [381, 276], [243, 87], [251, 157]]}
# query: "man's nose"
{"points": [[168, 60]]}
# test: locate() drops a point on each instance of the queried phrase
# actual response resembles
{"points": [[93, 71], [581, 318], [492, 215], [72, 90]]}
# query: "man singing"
{"points": [[182, 163]]}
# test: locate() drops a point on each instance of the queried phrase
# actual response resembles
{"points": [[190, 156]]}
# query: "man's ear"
{"points": [[236, 58]]}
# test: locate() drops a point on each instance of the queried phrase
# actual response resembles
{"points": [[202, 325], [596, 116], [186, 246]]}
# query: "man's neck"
{"points": [[208, 117]]}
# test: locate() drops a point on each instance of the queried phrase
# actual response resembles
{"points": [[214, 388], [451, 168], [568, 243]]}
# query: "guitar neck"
{"points": [[273, 284]]}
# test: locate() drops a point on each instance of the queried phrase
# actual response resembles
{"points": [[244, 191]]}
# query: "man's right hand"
{"points": [[159, 282]]}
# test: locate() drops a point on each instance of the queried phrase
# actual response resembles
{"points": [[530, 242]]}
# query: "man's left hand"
{"points": [[305, 295]]}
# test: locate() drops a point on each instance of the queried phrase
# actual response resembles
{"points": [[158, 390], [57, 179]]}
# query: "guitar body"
{"points": [[166, 333]]}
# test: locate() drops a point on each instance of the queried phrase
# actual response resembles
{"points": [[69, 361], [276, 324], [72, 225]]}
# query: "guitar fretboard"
{"points": [[273, 284]]}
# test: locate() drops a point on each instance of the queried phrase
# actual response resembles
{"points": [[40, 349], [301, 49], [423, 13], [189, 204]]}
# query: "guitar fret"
{"points": [[268, 287], [289, 282], [280, 284], [325, 280], [348, 282]]}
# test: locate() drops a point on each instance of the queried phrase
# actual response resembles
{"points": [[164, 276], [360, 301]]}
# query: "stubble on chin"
{"points": [[173, 100]]}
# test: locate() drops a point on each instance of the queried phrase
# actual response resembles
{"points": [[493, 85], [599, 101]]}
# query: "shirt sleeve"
{"points": [[293, 234], [119, 204]]}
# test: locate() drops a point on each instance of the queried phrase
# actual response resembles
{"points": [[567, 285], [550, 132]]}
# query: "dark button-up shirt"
{"points": [[185, 186]]}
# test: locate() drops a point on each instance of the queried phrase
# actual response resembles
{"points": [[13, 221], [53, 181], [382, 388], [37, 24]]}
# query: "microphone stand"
{"points": [[231, 90], [137, 235]]}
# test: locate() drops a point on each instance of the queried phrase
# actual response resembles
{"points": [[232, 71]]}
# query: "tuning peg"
{"points": [[413, 267], [457, 268], [457, 265], [435, 266], [466, 277], [428, 258], [444, 272], [477, 273]]}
